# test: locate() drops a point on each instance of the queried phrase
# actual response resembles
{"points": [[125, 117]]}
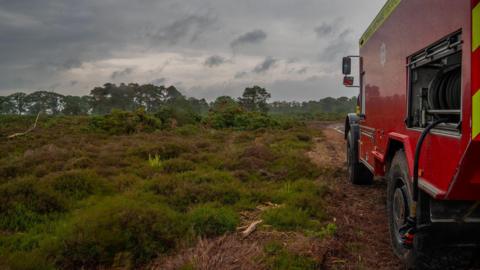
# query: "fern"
{"points": [[154, 161]]}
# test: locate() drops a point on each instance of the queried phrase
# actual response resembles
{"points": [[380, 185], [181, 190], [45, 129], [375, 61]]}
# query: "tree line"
{"points": [[152, 98]]}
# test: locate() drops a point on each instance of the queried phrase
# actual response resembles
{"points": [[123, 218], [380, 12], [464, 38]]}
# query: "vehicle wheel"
{"points": [[399, 200], [356, 172]]}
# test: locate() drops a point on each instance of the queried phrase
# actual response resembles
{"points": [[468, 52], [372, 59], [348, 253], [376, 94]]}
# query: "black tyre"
{"points": [[399, 200], [357, 173]]}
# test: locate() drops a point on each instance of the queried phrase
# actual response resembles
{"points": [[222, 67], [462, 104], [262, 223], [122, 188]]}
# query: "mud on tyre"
{"points": [[357, 173]]}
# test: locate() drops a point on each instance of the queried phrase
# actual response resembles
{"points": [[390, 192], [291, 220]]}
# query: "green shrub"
{"points": [[288, 122], [209, 220], [177, 165], [207, 176], [122, 122], [328, 231], [79, 184], [171, 116], [233, 116], [293, 166], [310, 203], [116, 226], [223, 114], [287, 218], [280, 259], [188, 130], [253, 121], [304, 195], [125, 182], [26, 202], [190, 188], [164, 150], [172, 150]]}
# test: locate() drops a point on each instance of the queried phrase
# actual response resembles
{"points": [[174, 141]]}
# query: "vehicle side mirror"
{"points": [[348, 80], [347, 66]]}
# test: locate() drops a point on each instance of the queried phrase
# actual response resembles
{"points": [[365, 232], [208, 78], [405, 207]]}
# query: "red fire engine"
{"points": [[418, 123]]}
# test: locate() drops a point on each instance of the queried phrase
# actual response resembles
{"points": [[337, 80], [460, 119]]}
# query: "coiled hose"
{"points": [[444, 92]]}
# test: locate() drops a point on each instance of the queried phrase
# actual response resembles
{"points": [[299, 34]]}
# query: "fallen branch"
{"points": [[251, 228], [241, 228], [28, 130]]}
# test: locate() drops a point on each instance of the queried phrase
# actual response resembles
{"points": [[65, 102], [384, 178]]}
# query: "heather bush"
{"points": [[190, 188], [122, 122], [304, 195], [78, 184], [173, 116], [237, 118], [281, 259], [177, 165], [26, 202], [163, 149], [118, 226], [287, 218], [210, 220]]}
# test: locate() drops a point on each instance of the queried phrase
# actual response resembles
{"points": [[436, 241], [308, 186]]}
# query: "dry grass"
{"points": [[226, 252]]}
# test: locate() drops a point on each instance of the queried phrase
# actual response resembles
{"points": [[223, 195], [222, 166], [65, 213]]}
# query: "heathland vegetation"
{"points": [[131, 186]]}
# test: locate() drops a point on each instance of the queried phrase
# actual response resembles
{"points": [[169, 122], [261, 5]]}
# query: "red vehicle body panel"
{"points": [[449, 165]]}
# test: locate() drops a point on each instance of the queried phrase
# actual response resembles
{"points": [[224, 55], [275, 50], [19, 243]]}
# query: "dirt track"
{"points": [[362, 240]]}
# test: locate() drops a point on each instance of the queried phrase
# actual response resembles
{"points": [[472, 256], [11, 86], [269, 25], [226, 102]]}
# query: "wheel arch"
{"points": [[393, 147], [397, 142], [351, 123]]}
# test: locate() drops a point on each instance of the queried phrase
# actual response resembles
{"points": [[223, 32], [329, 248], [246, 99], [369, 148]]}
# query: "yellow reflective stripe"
{"points": [[386, 11], [476, 28], [476, 115]]}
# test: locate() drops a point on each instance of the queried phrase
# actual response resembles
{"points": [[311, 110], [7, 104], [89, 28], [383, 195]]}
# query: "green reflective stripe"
{"points": [[476, 28], [476, 115], [386, 11]]}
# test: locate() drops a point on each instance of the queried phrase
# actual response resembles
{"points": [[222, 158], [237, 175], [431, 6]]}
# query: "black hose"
{"points": [[418, 150], [445, 90]]}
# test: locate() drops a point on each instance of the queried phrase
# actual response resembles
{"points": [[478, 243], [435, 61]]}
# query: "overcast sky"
{"points": [[206, 48]]}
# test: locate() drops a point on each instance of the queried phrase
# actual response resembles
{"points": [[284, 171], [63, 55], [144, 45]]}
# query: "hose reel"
{"points": [[444, 94], [444, 90]]}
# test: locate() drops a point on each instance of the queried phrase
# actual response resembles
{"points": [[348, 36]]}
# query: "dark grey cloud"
{"points": [[240, 75], [324, 29], [266, 65], [302, 70], [341, 45], [215, 60], [190, 27], [70, 64], [121, 73], [253, 37]]}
